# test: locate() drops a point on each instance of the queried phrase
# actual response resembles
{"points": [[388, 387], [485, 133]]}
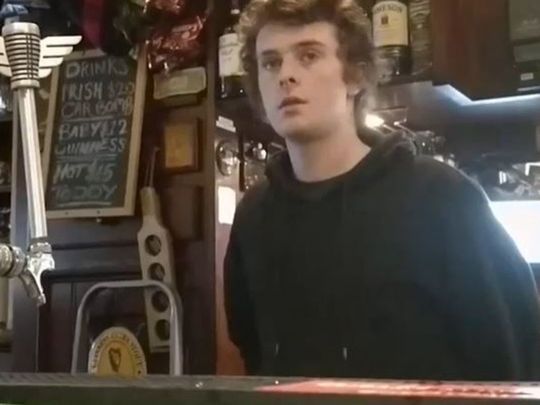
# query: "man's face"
{"points": [[301, 80]]}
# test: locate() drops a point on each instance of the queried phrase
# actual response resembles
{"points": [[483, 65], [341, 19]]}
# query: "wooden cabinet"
{"points": [[472, 49]]}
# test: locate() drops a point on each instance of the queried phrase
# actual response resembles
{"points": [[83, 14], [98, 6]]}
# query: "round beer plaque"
{"points": [[117, 352]]}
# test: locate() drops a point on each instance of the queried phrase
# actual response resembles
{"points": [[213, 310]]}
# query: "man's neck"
{"points": [[326, 157]]}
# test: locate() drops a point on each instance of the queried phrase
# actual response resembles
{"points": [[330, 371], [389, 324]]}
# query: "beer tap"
{"points": [[26, 58]]}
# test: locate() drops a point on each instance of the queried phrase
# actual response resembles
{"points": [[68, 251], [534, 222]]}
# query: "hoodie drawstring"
{"points": [[340, 293], [274, 301]]}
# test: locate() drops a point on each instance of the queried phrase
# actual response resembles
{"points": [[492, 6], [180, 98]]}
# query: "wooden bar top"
{"points": [[85, 389]]}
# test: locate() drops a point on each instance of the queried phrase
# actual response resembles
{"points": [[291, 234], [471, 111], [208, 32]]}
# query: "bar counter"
{"points": [[81, 389]]}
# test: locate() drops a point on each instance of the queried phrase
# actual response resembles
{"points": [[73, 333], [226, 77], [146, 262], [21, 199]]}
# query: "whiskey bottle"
{"points": [[391, 38], [230, 66]]}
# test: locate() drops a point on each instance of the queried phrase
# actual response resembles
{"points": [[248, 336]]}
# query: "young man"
{"points": [[362, 262]]}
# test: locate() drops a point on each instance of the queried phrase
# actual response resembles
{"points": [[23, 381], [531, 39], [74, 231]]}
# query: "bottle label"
{"points": [[390, 26], [229, 55]]}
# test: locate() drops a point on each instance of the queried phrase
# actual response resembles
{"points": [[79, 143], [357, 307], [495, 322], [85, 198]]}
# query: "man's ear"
{"points": [[353, 90], [355, 79]]}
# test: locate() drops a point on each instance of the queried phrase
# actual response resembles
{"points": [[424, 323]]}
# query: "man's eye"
{"points": [[271, 64], [308, 56]]}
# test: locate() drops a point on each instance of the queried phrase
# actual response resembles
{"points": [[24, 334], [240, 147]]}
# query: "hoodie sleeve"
{"points": [[491, 291], [239, 304]]}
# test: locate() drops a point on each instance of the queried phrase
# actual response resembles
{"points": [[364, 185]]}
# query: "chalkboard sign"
{"points": [[93, 137]]}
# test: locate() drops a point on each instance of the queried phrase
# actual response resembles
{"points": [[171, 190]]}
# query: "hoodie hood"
{"points": [[385, 153]]}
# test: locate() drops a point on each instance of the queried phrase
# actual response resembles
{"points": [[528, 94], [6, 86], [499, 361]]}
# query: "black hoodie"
{"points": [[396, 269]]}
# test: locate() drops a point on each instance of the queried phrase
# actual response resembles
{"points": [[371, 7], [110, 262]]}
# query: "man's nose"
{"points": [[288, 74]]}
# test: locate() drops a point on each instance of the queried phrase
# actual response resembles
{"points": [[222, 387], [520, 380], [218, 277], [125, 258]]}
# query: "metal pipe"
{"points": [[32, 163]]}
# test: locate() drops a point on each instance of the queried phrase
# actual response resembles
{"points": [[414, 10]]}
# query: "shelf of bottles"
{"points": [[401, 32]]}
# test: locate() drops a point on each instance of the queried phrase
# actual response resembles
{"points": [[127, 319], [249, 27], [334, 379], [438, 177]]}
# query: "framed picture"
{"points": [[181, 146]]}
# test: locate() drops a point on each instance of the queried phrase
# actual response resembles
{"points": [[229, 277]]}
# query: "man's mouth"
{"points": [[291, 101]]}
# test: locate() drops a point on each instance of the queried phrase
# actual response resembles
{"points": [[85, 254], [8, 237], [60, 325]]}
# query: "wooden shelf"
{"points": [[233, 105], [426, 106], [429, 106], [409, 79], [240, 106]]}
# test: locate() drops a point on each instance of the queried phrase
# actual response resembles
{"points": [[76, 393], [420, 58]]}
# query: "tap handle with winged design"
{"points": [[26, 58]]}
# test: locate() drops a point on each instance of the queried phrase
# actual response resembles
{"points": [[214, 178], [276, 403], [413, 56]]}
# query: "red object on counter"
{"points": [[409, 389]]}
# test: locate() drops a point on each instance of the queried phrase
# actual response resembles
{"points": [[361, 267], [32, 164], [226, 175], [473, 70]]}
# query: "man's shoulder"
{"points": [[446, 181], [428, 168], [252, 202]]}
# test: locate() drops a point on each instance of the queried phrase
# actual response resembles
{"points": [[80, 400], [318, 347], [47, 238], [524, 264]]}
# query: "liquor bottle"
{"points": [[420, 30], [230, 66], [391, 38]]}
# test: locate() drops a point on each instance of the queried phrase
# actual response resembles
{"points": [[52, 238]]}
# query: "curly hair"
{"points": [[353, 35]]}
